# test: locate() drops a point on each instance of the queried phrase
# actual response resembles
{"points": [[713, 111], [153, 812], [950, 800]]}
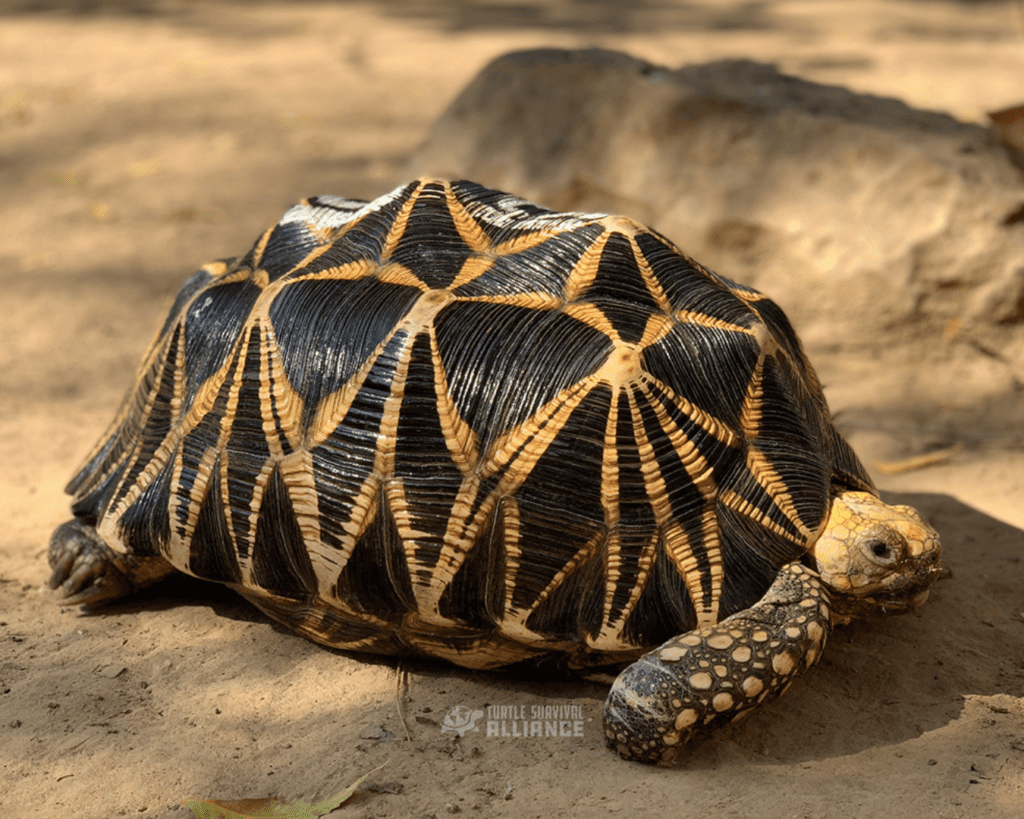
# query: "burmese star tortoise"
{"points": [[451, 423]]}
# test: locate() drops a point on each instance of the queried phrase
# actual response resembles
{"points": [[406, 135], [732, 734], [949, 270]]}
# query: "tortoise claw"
{"points": [[85, 569]]}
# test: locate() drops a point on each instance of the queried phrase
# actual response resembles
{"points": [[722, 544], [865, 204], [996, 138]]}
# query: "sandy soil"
{"points": [[141, 138]]}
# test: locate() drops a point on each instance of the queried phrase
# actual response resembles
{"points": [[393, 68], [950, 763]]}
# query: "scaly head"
{"points": [[876, 558]]}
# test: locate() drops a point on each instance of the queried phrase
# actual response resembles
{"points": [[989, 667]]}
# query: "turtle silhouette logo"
{"points": [[461, 720]]}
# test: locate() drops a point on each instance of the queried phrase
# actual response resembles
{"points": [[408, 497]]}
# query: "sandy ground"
{"points": [[139, 139]]}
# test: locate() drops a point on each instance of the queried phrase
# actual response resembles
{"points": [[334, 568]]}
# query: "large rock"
{"points": [[872, 223]]}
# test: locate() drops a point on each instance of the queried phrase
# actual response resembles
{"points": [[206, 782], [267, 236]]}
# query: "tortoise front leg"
{"points": [[700, 680], [90, 573]]}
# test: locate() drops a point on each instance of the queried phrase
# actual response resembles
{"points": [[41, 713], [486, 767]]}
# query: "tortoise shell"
{"points": [[454, 423]]}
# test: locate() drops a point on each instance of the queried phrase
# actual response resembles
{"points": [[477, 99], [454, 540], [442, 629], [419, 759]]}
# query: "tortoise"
{"points": [[451, 423]]}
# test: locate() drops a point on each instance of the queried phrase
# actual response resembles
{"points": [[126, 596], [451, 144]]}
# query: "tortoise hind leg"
{"points": [[713, 675], [88, 572]]}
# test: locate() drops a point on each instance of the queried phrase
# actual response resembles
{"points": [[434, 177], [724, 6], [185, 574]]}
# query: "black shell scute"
{"points": [[452, 422]]}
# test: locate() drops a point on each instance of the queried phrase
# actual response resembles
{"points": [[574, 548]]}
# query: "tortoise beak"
{"points": [[902, 599]]}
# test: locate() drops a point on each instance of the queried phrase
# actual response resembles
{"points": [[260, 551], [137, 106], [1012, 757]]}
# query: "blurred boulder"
{"points": [[875, 225]]}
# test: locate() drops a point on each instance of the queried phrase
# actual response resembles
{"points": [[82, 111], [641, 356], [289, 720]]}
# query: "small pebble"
{"points": [[112, 671]]}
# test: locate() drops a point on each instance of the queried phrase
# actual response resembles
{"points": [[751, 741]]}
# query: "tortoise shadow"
{"points": [[178, 591]]}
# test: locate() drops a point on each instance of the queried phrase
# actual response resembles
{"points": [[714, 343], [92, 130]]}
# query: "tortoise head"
{"points": [[876, 558]]}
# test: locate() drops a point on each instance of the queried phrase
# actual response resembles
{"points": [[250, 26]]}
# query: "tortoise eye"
{"points": [[880, 549]]}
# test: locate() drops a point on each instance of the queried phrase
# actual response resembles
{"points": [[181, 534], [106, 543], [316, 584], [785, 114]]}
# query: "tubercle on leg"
{"points": [[705, 678]]}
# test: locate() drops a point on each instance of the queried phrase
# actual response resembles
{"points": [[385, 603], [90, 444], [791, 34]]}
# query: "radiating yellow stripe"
{"points": [[277, 392], [260, 247], [333, 408], [658, 326], [394, 273], [381, 475], [704, 320], [709, 423], [512, 458], [350, 271], [528, 300], [471, 232], [520, 616], [679, 546], [744, 507], [462, 442], [512, 528], [776, 488], [472, 268], [593, 317], [518, 450], [399, 225], [179, 549], [610, 482], [695, 464], [525, 241], [585, 271], [109, 526], [610, 636], [647, 274]]}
